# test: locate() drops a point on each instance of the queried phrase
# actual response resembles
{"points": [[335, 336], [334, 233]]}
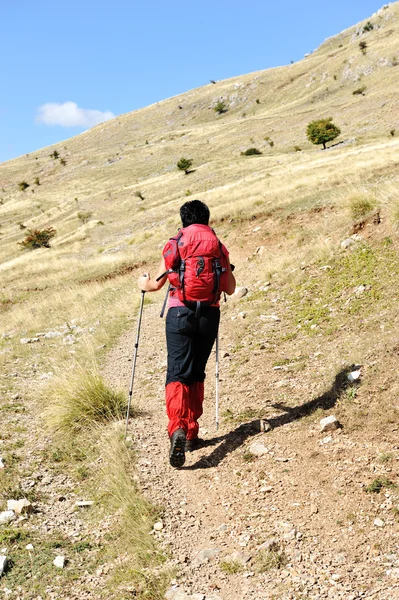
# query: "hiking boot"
{"points": [[193, 444], [177, 448]]}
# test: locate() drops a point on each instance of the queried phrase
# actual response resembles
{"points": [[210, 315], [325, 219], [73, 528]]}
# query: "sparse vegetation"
{"points": [[82, 399], [297, 149], [55, 155], [322, 131], [363, 46], [231, 567], [84, 215], [368, 27], [251, 152], [220, 107], [38, 238], [63, 162], [273, 558], [378, 484], [361, 204], [185, 164], [359, 91], [23, 186], [37, 181]]}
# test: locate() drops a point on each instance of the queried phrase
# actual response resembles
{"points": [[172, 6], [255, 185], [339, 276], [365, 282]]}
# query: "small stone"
{"points": [[2, 465], [354, 376], [290, 535], [264, 426], [329, 423], [259, 250], [240, 292], [273, 318], [52, 334], [3, 564], [242, 315], [266, 489], [59, 562], [29, 547], [238, 557], [269, 544], [258, 449], [6, 517], [204, 556], [225, 355], [158, 526], [313, 509], [255, 229], [84, 503], [345, 244], [29, 340], [379, 523], [20, 507]]}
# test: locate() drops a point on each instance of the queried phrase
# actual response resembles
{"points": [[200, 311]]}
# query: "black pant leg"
{"points": [[204, 339], [181, 326]]}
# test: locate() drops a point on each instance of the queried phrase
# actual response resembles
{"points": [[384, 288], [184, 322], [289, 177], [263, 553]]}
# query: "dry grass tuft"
{"points": [[361, 204], [82, 399]]}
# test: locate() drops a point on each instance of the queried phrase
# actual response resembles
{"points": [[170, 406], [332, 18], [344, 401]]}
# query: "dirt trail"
{"points": [[303, 498]]}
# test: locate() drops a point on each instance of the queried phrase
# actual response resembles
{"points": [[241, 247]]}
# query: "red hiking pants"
{"points": [[189, 340]]}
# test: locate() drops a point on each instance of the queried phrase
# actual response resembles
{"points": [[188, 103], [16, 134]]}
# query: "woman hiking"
{"points": [[198, 268]]}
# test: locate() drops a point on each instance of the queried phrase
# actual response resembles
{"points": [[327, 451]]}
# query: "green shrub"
{"points": [[220, 107], [368, 27], [270, 559], [38, 238], [392, 132], [184, 164], [359, 91], [84, 215], [63, 162], [376, 486], [251, 152], [322, 131], [23, 186], [55, 155], [363, 46]]}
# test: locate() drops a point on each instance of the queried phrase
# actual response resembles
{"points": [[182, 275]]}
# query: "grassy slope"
{"points": [[298, 199]]}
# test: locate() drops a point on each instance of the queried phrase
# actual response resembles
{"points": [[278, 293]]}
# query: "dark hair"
{"points": [[194, 212]]}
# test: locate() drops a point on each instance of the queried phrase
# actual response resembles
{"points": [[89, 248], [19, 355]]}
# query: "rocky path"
{"points": [[261, 516]]}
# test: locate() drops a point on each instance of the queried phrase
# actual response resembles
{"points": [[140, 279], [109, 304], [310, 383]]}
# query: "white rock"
{"points": [[204, 556], [52, 334], [3, 564], [238, 557], [266, 489], [258, 449], [59, 562], [264, 426], [270, 544], [256, 229], [242, 315], [379, 523], [20, 506], [158, 526], [29, 340], [240, 292], [347, 243], [354, 376], [84, 503], [329, 423], [274, 318], [6, 517], [29, 547], [2, 465]]}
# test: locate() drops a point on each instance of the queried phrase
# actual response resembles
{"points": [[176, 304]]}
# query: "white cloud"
{"points": [[69, 114]]}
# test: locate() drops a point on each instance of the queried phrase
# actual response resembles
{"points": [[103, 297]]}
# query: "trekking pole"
{"points": [[217, 382], [134, 360]]}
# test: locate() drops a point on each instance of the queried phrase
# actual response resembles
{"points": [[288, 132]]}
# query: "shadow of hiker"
{"points": [[234, 439]]}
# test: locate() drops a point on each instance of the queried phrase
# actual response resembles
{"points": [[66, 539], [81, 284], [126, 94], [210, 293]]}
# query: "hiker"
{"points": [[198, 268]]}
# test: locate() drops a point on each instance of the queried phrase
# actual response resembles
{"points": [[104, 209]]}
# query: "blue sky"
{"points": [[115, 57]]}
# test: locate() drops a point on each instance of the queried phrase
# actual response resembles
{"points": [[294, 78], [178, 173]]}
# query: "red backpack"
{"points": [[196, 263]]}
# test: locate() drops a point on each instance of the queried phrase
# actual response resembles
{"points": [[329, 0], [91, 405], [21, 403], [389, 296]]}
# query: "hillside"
{"points": [[314, 236]]}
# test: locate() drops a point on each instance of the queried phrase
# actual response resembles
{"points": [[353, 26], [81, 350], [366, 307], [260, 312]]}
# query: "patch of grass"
{"points": [[251, 152], [272, 558], [82, 399], [378, 484], [231, 567], [385, 457], [361, 204], [248, 457]]}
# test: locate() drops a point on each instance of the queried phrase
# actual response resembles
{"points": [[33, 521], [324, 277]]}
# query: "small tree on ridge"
{"points": [[322, 131], [184, 164]]}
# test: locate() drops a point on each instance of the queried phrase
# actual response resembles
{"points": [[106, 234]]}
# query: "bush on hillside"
{"points": [[84, 215], [139, 194], [63, 162], [359, 91], [361, 204], [23, 186], [184, 164], [322, 131], [220, 107], [368, 27], [251, 152], [38, 238], [55, 155], [363, 46]]}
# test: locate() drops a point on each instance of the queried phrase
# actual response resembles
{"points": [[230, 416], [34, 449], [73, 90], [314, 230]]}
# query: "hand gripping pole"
{"points": [[134, 361]]}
